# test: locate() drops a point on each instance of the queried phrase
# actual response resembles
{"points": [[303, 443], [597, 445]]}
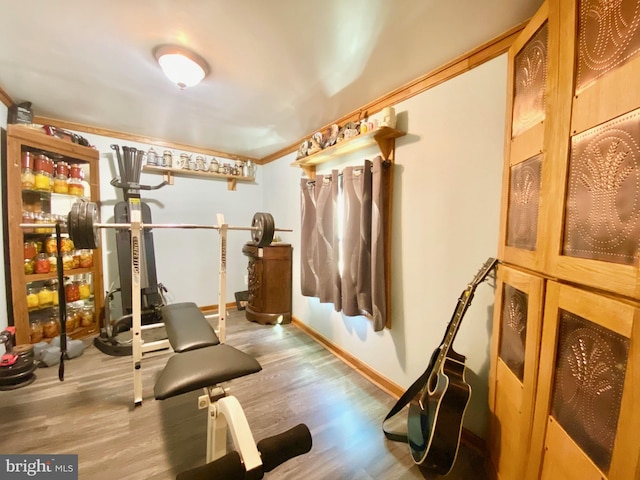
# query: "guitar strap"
{"points": [[406, 397], [416, 386]]}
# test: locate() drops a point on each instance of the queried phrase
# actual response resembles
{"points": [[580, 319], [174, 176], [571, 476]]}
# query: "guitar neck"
{"points": [[454, 325]]}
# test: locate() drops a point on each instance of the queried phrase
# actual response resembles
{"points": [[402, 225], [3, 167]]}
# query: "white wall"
{"points": [[4, 321], [445, 225]]}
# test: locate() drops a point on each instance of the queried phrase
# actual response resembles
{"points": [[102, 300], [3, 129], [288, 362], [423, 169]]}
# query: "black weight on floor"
{"points": [[27, 380], [19, 378], [264, 225]]}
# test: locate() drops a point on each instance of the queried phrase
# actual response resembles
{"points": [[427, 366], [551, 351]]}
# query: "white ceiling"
{"points": [[280, 69]]}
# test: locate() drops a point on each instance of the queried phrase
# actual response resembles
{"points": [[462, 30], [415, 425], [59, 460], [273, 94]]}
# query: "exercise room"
{"points": [[294, 240]]}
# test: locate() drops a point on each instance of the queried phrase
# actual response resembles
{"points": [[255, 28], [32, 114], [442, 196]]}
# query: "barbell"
{"points": [[83, 225]]}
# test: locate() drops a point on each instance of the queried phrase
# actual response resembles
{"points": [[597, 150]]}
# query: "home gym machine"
{"points": [[84, 226], [115, 335]]}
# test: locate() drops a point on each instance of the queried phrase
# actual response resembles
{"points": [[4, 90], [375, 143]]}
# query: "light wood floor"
{"points": [[91, 414]]}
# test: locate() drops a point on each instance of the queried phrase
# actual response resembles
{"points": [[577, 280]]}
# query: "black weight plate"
{"points": [[21, 366], [256, 233], [19, 377], [90, 232], [263, 234], [73, 223], [26, 381], [82, 230]]}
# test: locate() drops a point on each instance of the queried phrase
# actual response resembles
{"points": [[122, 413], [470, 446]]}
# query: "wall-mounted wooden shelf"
{"points": [[384, 137], [169, 173]]}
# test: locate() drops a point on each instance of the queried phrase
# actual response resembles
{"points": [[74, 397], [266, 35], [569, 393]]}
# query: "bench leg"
{"points": [[226, 414]]}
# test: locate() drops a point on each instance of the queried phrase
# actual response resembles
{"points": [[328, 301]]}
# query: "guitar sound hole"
{"points": [[433, 382]]}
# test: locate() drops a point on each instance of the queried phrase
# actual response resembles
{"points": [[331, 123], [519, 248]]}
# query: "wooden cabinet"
{"points": [[269, 273], [26, 304], [570, 218]]}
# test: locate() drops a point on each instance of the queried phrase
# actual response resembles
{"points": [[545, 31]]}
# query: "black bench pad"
{"points": [[203, 367], [187, 327]]}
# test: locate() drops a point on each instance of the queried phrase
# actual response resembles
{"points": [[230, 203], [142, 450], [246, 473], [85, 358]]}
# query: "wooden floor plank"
{"points": [[91, 414]]}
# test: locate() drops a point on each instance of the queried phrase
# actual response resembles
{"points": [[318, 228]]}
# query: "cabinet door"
{"points": [[515, 347], [595, 199], [529, 84], [586, 415]]}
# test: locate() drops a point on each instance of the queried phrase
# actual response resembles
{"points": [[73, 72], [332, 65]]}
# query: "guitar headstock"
{"points": [[484, 271]]}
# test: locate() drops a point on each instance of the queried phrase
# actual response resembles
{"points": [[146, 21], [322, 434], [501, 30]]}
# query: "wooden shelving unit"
{"points": [[169, 173], [19, 139], [384, 137]]}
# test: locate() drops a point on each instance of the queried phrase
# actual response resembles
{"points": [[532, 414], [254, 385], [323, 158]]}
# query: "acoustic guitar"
{"points": [[435, 415]]}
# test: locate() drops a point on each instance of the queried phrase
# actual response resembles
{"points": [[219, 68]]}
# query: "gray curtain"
{"points": [[319, 248], [361, 288], [308, 275], [356, 240], [379, 198]]}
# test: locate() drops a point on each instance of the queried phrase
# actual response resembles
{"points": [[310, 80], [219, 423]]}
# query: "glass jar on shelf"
{"points": [[44, 217], [45, 297], [86, 258], [76, 175], [27, 175], [41, 264], [88, 316], [29, 250], [32, 298], [53, 263], [75, 259], [84, 290], [51, 326], [36, 331], [43, 180], [28, 217], [67, 261], [61, 181], [53, 286], [28, 266], [71, 291], [72, 318]]}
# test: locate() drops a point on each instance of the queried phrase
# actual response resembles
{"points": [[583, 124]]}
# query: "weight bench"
{"points": [[201, 361]]}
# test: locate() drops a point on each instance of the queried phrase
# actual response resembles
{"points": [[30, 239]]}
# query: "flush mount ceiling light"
{"points": [[182, 66]]}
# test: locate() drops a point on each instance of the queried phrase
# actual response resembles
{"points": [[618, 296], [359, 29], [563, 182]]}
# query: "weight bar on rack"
{"points": [[83, 225]]}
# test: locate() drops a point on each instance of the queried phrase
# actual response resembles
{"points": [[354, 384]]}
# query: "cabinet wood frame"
{"points": [[552, 453], [511, 401], [19, 136]]}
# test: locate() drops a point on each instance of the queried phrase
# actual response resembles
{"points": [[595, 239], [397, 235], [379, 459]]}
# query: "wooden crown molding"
{"points": [[5, 98], [156, 142]]}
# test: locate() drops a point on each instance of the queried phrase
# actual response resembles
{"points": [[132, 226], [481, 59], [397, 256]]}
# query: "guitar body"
{"points": [[439, 398], [434, 428]]}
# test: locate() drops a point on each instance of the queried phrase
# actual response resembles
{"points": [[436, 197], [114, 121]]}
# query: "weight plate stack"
{"points": [[20, 374]]}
